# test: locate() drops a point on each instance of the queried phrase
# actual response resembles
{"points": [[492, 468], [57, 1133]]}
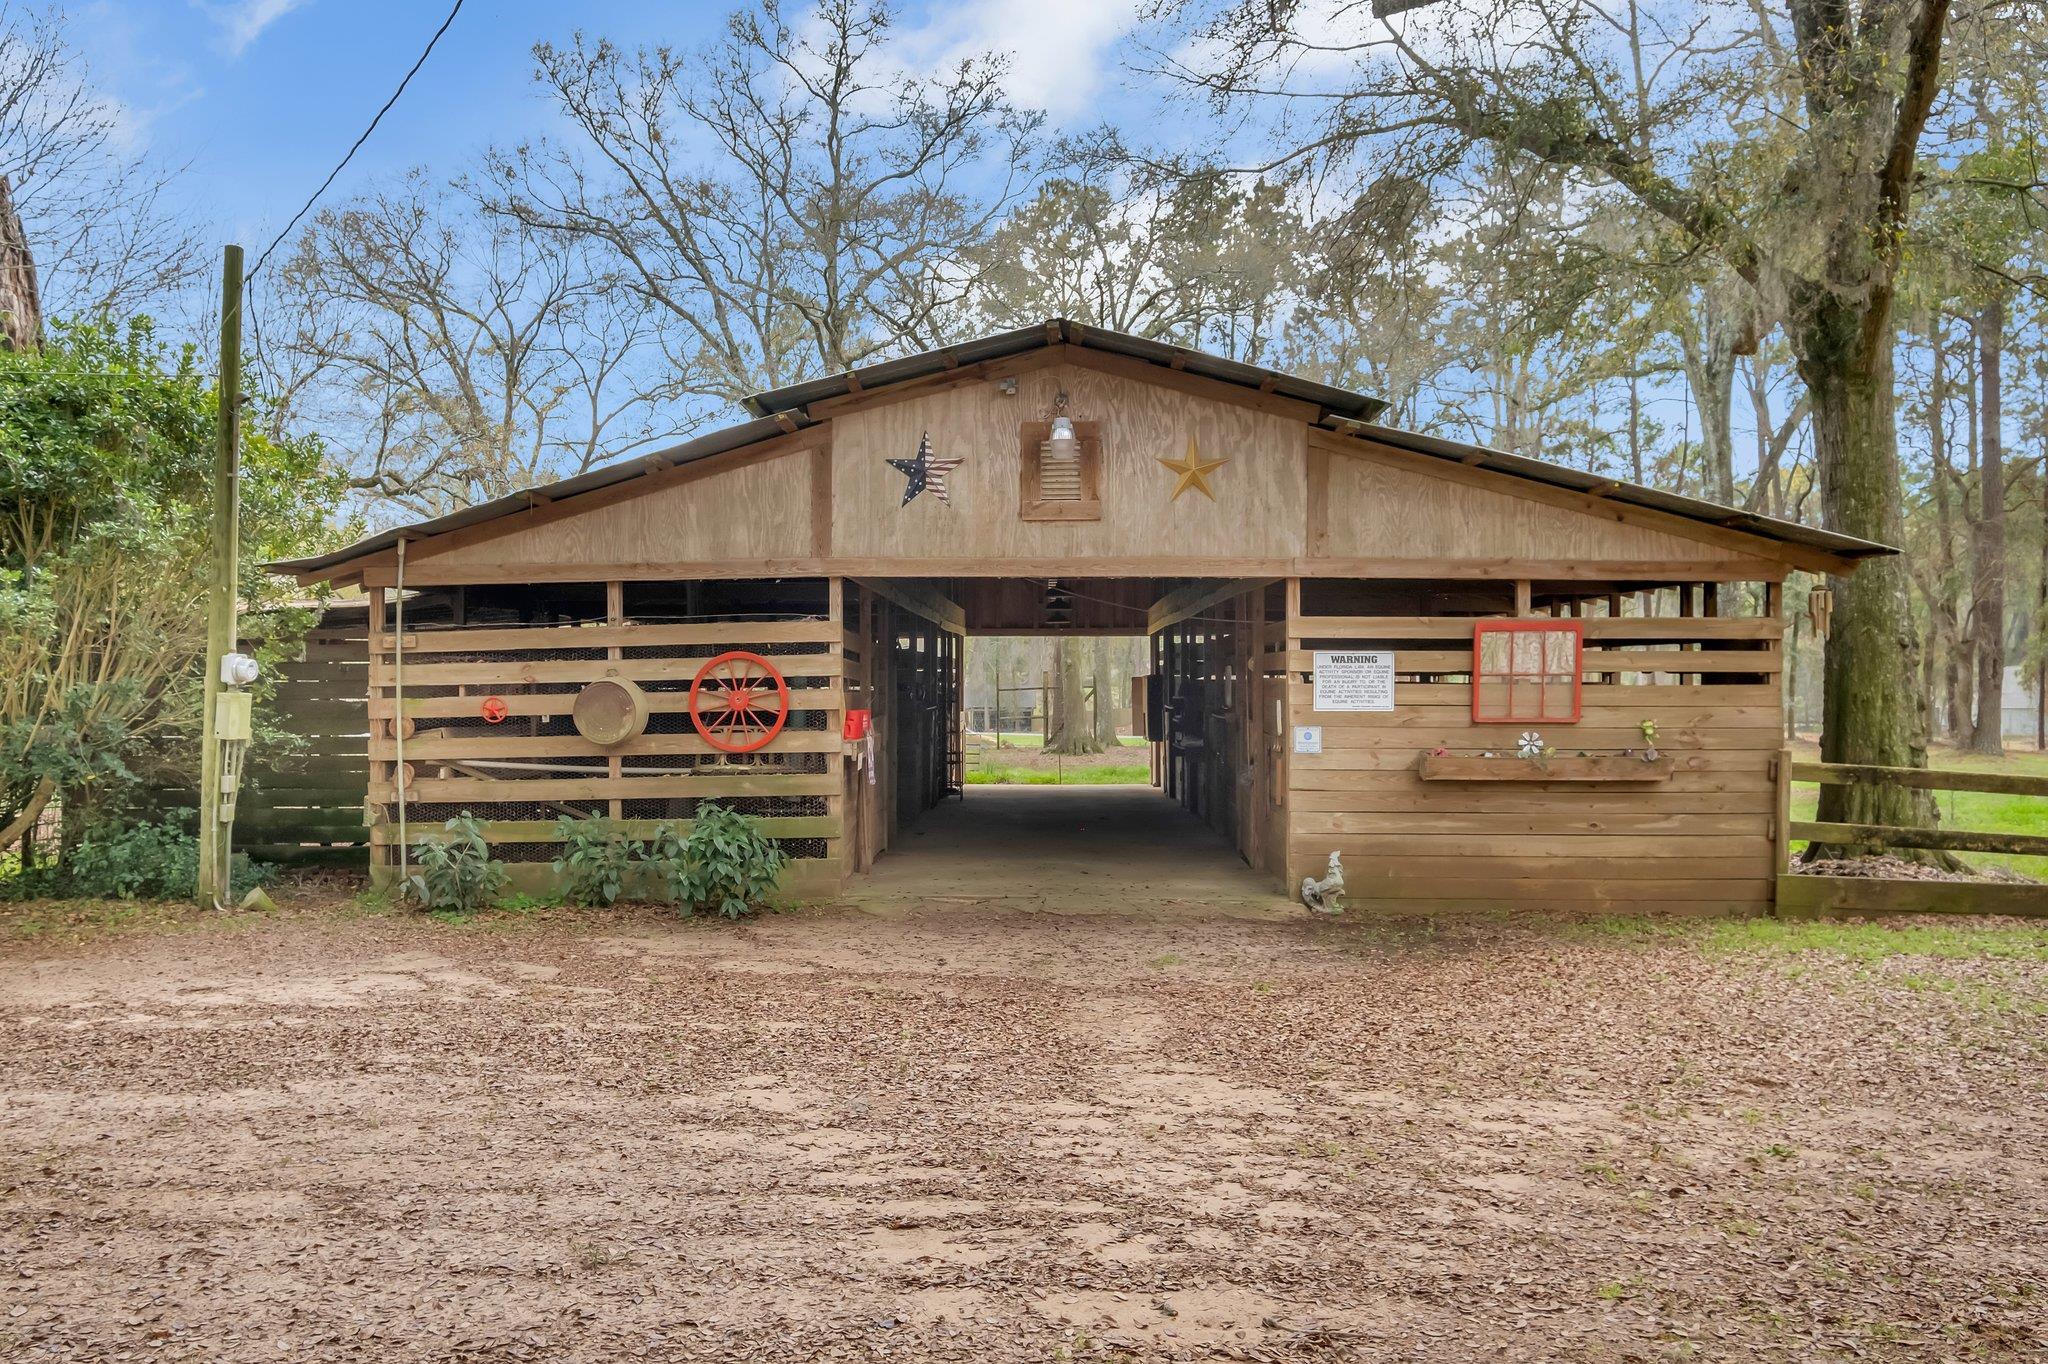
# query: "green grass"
{"points": [[1978, 811], [1038, 740], [1990, 970], [1023, 761], [1854, 941], [1107, 774], [1867, 942]]}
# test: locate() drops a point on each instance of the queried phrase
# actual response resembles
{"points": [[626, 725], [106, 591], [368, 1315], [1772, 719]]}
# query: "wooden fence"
{"points": [[522, 772], [1803, 894], [304, 804]]}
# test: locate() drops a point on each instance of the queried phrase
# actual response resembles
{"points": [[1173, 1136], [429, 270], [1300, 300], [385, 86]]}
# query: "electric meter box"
{"points": [[231, 716]]}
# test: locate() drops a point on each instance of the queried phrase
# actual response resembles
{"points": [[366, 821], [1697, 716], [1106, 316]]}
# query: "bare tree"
{"points": [[1373, 299], [1090, 251], [98, 218], [1720, 325], [790, 201], [1772, 483], [1205, 259], [460, 354]]}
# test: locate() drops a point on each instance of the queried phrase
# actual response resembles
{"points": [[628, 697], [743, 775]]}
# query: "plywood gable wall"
{"points": [[1258, 512], [753, 509], [1289, 500], [1387, 506]]}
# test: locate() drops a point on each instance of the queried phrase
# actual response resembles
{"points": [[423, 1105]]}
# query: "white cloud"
{"points": [[1058, 49], [242, 22]]}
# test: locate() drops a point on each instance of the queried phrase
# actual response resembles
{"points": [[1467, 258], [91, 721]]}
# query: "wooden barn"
{"points": [[1480, 678]]}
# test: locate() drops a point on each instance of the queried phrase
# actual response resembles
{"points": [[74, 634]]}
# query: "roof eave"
{"points": [[1057, 331], [320, 567], [1830, 549]]}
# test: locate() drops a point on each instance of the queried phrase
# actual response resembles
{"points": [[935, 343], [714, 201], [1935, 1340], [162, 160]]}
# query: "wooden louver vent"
{"points": [[1055, 488], [1059, 477]]}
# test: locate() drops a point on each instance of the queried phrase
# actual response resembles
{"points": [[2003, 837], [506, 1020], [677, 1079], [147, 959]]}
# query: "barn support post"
{"points": [[379, 771], [615, 616], [839, 804], [1283, 776], [400, 777]]}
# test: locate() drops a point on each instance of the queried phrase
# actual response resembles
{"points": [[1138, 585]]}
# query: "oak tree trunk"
{"points": [[1710, 373], [1072, 729], [21, 307], [1872, 713], [1987, 557], [1106, 692]]}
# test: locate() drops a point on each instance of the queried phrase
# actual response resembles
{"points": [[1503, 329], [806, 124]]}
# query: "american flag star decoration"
{"points": [[925, 472]]}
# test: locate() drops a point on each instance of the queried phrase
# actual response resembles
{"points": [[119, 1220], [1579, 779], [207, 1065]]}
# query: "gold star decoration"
{"points": [[1194, 472]]}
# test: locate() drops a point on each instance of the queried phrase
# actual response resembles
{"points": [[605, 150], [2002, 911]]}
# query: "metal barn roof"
{"points": [[781, 410]]}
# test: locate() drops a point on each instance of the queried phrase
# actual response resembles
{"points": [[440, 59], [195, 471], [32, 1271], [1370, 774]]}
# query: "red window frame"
{"points": [[1513, 683]]}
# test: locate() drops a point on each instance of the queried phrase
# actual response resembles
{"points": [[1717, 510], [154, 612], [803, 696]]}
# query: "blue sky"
{"points": [[257, 99], [260, 97]]}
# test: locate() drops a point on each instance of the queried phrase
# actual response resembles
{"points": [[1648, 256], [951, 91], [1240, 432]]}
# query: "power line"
{"points": [[357, 146]]}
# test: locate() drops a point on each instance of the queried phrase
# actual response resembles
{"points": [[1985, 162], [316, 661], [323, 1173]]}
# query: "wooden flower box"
{"points": [[1604, 767]]}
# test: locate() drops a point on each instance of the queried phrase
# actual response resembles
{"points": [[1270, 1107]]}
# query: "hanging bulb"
{"points": [[1063, 444]]}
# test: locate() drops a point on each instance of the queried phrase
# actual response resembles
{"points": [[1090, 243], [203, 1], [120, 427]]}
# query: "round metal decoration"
{"points": [[495, 710], [610, 711], [739, 702]]}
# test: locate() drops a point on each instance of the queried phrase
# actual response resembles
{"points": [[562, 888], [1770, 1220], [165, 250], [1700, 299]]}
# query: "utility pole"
{"points": [[220, 604]]}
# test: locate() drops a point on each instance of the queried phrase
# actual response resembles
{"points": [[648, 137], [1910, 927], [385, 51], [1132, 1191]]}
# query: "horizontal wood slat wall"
{"points": [[522, 774], [305, 804], [1701, 841]]}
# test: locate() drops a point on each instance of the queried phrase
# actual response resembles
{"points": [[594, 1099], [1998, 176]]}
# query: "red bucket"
{"points": [[857, 724]]}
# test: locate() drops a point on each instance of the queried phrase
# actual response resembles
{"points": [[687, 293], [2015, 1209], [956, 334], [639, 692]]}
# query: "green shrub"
{"points": [[596, 859], [725, 865], [457, 872], [148, 862]]}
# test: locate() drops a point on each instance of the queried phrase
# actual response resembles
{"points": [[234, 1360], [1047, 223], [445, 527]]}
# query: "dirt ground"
{"points": [[1018, 1131]]}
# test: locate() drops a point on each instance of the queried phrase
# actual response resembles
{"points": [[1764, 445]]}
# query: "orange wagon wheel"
{"points": [[738, 702]]}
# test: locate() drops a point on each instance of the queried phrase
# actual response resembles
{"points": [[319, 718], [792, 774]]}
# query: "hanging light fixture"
{"points": [[1059, 458], [1059, 603], [1063, 444]]}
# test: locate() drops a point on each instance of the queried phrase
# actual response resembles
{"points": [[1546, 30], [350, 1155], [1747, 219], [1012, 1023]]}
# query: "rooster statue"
{"points": [[1327, 895]]}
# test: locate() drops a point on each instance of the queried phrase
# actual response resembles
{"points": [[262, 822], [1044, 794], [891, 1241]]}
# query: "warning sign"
{"points": [[1354, 679]]}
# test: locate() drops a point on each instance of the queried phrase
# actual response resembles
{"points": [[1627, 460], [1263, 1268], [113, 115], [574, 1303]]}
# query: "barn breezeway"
{"points": [[1066, 850]]}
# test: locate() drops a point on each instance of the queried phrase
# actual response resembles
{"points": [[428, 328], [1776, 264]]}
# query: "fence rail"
{"points": [[1804, 894]]}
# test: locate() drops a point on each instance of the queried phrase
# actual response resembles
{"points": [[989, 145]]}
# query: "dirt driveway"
{"points": [[986, 1133]]}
